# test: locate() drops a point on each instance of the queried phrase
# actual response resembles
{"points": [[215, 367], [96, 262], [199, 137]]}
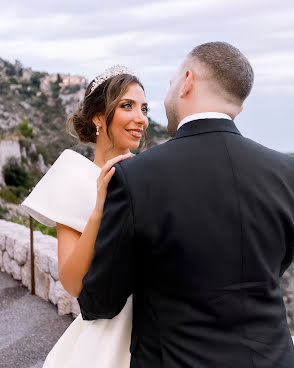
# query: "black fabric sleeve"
{"points": [[108, 283]]}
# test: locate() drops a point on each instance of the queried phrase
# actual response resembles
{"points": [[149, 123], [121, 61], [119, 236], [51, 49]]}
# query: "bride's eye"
{"points": [[145, 109], [128, 105]]}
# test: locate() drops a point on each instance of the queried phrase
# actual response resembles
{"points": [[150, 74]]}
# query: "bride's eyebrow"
{"points": [[133, 101]]}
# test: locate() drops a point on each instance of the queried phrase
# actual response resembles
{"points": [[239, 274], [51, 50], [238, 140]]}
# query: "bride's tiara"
{"points": [[109, 73]]}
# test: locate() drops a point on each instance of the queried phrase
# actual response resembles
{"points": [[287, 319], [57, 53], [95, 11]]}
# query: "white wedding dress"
{"points": [[67, 194]]}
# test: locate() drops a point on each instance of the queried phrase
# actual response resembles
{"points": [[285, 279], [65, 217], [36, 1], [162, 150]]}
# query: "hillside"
{"points": [[45, 100], [33, 110]]}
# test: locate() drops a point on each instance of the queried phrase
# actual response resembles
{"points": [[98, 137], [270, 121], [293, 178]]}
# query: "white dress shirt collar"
{"points": [[204, 115]]}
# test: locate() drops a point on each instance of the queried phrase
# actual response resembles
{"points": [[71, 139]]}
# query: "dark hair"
{"points": [[228, 66], [103, 100]]}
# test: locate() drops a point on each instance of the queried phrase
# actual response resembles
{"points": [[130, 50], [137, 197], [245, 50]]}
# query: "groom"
{"points": [[200, 229]]}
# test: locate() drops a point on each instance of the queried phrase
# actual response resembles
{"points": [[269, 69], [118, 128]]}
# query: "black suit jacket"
{"points": [[200, 230]]}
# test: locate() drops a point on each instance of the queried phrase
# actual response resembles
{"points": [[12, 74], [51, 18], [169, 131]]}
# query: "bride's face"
{"points": [[130, 119]]}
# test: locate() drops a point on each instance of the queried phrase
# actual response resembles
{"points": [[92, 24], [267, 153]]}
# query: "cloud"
{"points": [[168, 9], [274, 70], [152, 38], [275, 18]]}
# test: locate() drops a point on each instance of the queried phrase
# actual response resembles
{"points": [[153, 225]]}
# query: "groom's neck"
{"points": [[208, 106]]}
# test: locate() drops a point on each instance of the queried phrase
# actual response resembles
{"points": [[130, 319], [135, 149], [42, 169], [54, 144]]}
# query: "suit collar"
{"points": [[202, 126]]}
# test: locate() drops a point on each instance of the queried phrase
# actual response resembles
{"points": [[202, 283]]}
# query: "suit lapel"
{"points": [[202, 126]]}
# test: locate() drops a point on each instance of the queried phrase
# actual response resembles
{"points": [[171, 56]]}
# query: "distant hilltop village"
{"points": [[27, 74], [67, 79]]}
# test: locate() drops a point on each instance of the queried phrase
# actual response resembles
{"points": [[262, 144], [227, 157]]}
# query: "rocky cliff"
{"points": [[33, 110]]}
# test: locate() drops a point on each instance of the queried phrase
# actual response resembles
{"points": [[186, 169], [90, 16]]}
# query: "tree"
{"points": [[10, 70], [56, 86], [35, 80], [18, 64], [18, 67]]}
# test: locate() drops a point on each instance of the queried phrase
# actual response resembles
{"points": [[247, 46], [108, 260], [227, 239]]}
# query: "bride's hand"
{"points": [[105, 176]]}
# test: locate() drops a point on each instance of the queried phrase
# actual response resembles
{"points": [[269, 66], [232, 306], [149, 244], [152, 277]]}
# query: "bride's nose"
{"points": [[139, 117]]}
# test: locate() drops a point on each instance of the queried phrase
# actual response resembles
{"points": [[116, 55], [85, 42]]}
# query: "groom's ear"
{"points": [[188, 83]]}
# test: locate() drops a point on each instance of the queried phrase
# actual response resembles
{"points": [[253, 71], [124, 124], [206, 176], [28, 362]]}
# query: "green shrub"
{"points": [[3, 210], [45, 229], [56, 86], [25, 129], [10, 70], [12, 80], [33, 156], [25, 220], [42, 150], [39, 101], [15, 175], [20, 192], [4, 86], [27, 90], [7, 194], [35, 80], [71, 88], [24, 143]]}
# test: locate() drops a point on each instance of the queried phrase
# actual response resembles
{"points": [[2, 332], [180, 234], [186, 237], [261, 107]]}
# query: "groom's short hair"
{"points": [[227, 66]]}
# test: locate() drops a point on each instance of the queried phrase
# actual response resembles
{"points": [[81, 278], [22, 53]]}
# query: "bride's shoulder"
{"points": [[66, 193], [72, 159], [72, 166]]}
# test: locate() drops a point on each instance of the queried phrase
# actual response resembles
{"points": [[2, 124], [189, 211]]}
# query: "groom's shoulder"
{"points": [[151, 158], [270, 153]]}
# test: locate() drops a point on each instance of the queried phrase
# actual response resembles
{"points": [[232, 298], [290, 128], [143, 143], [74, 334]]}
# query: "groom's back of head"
{"points": [[214, 76], [226, 69]]}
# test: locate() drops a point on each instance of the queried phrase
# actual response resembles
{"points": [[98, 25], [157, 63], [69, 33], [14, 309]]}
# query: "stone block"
{"points": [[53, 268], [42, 260], [15, 270], [7, 263], [64, 300], [38, 235], [52, 295], [26, 275], [75, 307], [10, 246], [42, 283], [2, 241], [21, 250]]}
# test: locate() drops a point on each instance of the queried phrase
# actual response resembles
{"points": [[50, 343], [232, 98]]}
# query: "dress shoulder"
{"points": [[66, 194]]}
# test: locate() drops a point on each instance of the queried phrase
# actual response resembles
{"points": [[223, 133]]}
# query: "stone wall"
{"points": [[15, 258], [287, 284]]}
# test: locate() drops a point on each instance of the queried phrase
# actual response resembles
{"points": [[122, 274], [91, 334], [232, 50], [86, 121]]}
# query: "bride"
{"points": [[71, 195]]}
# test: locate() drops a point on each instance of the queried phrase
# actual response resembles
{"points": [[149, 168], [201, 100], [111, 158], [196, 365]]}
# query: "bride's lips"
{"points": [[136, 133]]}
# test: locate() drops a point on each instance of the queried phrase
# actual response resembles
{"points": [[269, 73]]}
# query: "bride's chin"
{"points": [[133, 145]]}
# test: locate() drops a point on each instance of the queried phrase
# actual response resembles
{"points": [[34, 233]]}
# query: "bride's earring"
{"points": [[97, 129]]}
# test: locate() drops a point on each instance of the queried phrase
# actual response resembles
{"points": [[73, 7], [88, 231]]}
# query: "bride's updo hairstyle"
{"points": [[101, 100]]}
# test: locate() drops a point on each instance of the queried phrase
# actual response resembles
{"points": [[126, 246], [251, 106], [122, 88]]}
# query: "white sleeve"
{"points": [[66, 194]]}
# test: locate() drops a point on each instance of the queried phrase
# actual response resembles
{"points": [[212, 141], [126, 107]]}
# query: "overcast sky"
{"points": [[152, 37]]}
